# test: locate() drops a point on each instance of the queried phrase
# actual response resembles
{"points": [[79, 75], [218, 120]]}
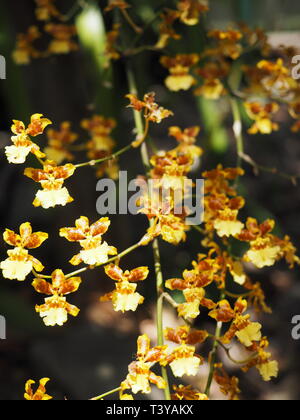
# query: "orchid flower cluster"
{"points": [[54, 27], [262, 89]]}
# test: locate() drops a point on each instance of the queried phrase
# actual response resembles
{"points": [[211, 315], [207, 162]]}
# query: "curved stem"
{"points": [[107, 394], [213, 355], [41, 276], [106, 159], [150, 23], [155, 245], [199, 229], [236, 295], [129, 20], [237, 362], [77, 6]]}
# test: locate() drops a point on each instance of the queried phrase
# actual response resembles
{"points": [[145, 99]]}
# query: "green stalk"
{"points": [[214, 353], [155, 245]]}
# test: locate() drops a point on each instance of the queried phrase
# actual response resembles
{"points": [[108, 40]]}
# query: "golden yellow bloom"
{"points": [[56, 308], [212, 74], [194, 298], [25, 50], [94, 254], [179, 67], [19, 264], [125, 298], [268, 370], [90, 238], [225, 313], [263, 253], [266, 248], [55, 311], [228, 43], [192, 285], [152, 111], [187, 139], [226, 223], [183, 361], [237, 271], [249, 334], [186, 335], [60, 285], [221, 202], [59, 143], [276, 79], [171, 168], [62, 42], [51, 178], [191, 10], [211, 89], [186, 393], [262, 115], [22, 144], [172, 229], [26, 238], [229, 386], [45, 10], [39, 394], [140, 375]]}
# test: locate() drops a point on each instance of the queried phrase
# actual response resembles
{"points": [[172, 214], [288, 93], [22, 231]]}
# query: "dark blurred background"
{"points": [[91, 353]]}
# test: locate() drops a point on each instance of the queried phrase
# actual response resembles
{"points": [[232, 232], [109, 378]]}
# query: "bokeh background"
{"points": [[91, 353]]}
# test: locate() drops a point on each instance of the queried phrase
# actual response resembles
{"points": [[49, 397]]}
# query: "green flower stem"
{"points": [[156, 251], [106, 159], [214, 353], [107, 394]]}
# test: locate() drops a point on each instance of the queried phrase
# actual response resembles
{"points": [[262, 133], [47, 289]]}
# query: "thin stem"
{"points": [[77, 6], [106, 159], [235, 295], [170, 300], [41, 276], [159, 309], [199, 229], [213, 355], [175, 305], [155, 245], [129, 20], [237, 362], [274, 171], [41, 161], [150, 23], [107, 394]]}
